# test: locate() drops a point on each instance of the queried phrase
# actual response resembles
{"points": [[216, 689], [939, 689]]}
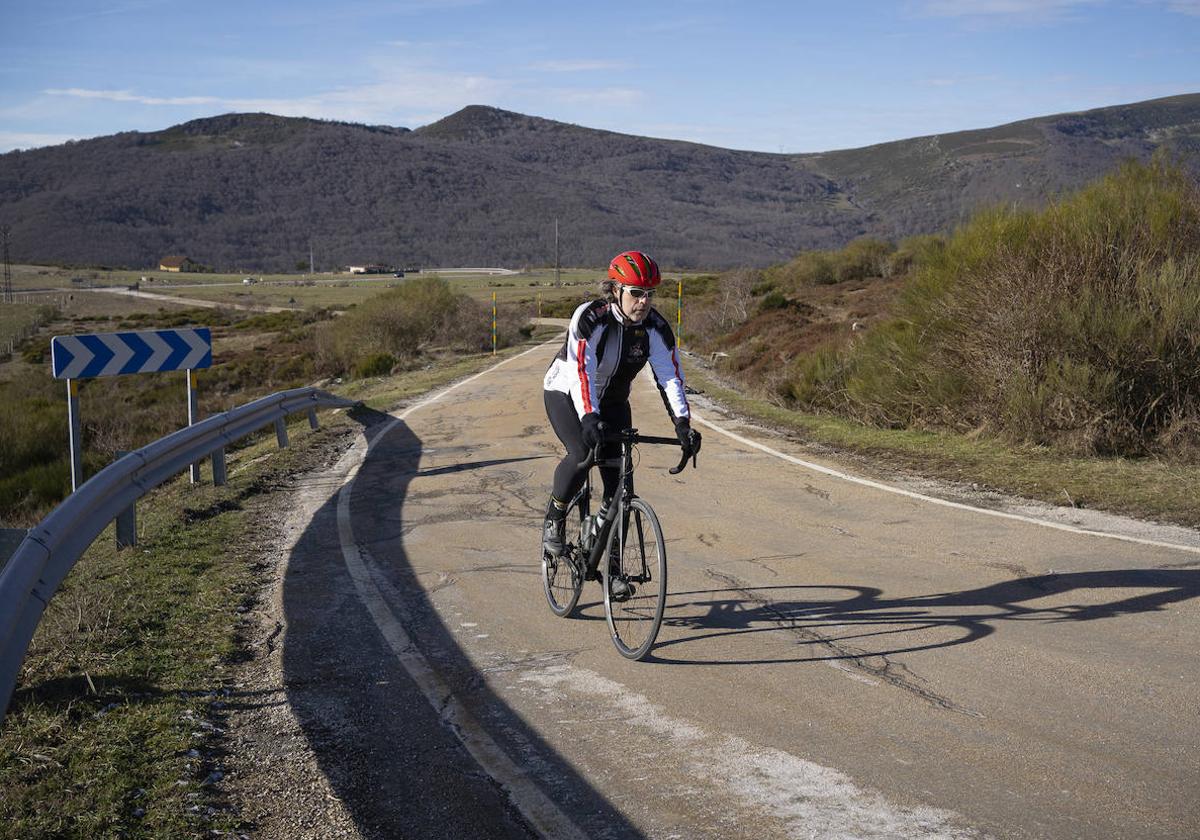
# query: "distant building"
{"points": [[372, 268], [175, 263]]}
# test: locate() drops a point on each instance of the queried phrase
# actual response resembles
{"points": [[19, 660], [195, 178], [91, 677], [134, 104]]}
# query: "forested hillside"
{"points": [[484, 186]]}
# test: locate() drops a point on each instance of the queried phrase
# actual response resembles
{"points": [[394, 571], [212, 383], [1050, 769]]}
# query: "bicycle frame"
{"points": [[635, 590], [624, 496]]}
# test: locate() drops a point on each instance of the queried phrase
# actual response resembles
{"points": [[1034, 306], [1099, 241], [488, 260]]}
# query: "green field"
{"points": [[15, 318], [333, 291]]}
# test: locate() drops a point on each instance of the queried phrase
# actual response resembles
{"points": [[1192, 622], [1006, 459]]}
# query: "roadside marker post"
{"points": [[679, 317], [75, 430], [493, 323], [75, 357], [193, 418]]}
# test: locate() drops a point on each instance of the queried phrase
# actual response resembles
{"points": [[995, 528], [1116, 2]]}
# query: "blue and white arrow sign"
{"points": [[147, 351]]}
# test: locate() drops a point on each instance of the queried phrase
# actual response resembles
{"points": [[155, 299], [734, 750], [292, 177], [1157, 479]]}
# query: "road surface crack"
{"points": [[893, 673]]}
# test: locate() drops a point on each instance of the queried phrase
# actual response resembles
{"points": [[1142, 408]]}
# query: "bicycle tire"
{"points": [[562, 577], [634, 622]]}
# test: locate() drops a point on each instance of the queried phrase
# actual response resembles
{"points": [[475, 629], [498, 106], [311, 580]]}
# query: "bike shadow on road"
{"points": [[391, 757], [867, 623]]}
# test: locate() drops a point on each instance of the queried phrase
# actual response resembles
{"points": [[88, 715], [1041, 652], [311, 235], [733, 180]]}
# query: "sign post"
{"points": [[75, 357], [193, 416], [76, 434]]}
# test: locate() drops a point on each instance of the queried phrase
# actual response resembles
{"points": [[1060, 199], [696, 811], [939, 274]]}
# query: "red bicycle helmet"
{"points": [[633, 268]]}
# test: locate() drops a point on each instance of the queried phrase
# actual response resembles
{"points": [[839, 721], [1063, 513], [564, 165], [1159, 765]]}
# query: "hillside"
{"points": [[250, 191]]}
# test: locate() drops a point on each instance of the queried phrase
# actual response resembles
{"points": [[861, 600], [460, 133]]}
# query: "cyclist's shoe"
{"points": [[554, 534], [619, 589]]}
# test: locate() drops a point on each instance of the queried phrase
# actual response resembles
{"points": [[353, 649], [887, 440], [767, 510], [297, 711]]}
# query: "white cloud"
{"points": [[971, 8], [399, 91], [1184, 7], [579, 66], [956, 81], [1003, 11], [10, 140], [599, 96], [129, 96]]}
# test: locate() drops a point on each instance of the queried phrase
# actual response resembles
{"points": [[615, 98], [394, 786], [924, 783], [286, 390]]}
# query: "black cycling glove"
{"points": [[689, 438], [593, 430]]}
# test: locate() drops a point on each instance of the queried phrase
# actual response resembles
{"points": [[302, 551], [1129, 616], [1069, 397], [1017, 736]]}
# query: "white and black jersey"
{"points": [[604, 351]]}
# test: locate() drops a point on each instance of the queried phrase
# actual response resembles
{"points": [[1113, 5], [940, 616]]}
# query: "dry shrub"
{"points": [[422, 315], [1074, 326]]}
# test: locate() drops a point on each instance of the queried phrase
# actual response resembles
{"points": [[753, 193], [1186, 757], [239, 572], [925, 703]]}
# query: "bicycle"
{"points": [[633, 543]]}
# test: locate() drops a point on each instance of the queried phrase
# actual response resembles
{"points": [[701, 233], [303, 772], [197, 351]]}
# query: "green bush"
{"points": [[1073, 326], [773, 300], [423, 315], [860, 259], [376, 364]]}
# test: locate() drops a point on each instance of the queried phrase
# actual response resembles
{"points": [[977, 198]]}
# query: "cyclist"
{"points": [[587, 385]]}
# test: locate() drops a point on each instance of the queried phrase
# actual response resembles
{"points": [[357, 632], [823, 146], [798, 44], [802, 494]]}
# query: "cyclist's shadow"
{"points": [[830, 625]]}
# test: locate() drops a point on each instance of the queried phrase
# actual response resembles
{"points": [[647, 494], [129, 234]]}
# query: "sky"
{"points": [[765, 76]]}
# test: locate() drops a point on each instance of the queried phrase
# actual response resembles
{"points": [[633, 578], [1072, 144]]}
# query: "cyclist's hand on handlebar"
{"points": [[689, 438], [593, 430]]}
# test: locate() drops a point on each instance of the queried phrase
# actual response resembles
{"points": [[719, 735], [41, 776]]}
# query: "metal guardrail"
{"points": [[50, 550]]}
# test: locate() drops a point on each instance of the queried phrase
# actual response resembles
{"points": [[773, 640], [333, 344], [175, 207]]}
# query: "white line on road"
{"points": [[542, 813], [866, 482]]}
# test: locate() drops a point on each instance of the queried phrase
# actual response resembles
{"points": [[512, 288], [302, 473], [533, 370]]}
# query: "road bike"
{"points": [[626, 532]]}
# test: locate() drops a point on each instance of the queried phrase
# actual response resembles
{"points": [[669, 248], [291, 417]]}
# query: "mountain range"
{"points": [[484, 186]]}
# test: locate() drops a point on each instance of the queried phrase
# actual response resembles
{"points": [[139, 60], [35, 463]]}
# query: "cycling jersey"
{"points": [[605, 350]]}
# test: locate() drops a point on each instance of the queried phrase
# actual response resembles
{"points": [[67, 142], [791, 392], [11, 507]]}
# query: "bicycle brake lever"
{"points": [[676, 470], [592, 457]]}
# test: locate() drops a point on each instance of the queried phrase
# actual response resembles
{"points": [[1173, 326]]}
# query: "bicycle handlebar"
{"points": [[631, 436]]}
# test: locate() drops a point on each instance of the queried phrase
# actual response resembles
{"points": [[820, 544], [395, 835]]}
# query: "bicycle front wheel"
{"points": [[635, 582], [562, 577]]}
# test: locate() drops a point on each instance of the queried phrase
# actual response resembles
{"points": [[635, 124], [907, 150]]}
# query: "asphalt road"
{"points": [[836, 661]]}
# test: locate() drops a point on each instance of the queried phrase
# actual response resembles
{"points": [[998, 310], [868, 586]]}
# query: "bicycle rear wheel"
{"points": [[562, 577], [641, 565]]}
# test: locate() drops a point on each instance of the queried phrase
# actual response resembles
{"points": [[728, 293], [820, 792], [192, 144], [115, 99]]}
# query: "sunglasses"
{"points": [[637, 293]]}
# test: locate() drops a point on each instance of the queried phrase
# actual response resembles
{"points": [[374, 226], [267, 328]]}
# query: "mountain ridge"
{"points": [[483, 184]]}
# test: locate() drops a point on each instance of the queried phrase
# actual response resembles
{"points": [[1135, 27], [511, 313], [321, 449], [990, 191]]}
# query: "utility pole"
{"points": [[557, 274], [311, 270], [8, 292]]}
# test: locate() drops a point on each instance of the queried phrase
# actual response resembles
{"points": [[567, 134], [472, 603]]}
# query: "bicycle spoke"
{"points": [[635, 618], [562, 577]]}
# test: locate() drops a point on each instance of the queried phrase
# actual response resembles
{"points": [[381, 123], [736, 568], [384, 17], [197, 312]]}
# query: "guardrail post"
{"points": [[127, 521], [281, 432], [312, 419], [218, 465]]}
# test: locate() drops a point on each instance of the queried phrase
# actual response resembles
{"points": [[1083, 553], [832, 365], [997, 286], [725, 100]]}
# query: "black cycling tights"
{"points": [[568, 478]]}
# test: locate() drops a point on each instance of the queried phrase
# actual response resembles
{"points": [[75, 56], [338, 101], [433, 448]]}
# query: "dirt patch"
{"points": [[273, 781]]}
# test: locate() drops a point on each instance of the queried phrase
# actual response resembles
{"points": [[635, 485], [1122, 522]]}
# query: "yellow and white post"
{"points": [[679, 317]]}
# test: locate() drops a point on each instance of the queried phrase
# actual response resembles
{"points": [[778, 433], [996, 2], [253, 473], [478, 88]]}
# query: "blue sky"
{"points": [[768, 76]]}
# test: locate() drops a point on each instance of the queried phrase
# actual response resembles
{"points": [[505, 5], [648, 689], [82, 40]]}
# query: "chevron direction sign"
{"points": [[147, 351]]}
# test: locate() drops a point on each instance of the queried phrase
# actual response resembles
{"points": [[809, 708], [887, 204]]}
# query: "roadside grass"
{"points": [[385, 392], [111, 731], [115, 727], [19, 320], [1144, 488]]}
